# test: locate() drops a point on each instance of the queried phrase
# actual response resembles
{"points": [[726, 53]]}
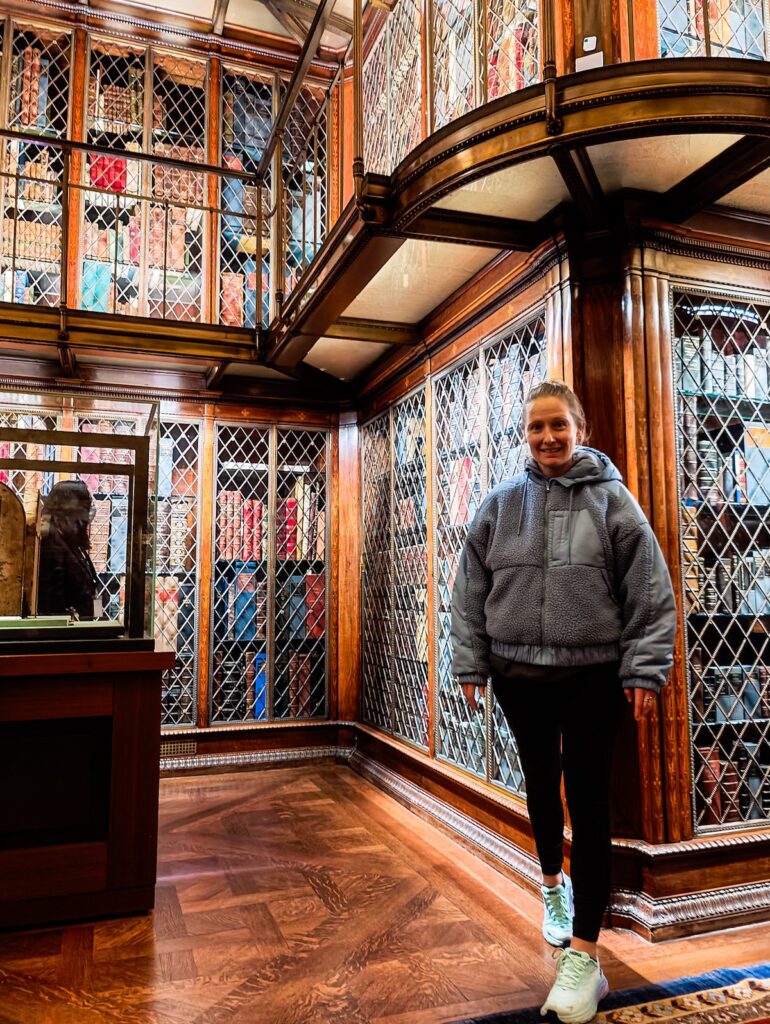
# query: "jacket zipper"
{"points": [[545, 561]]}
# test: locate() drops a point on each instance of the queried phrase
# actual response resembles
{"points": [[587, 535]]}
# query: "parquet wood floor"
{"points": [[307, 896]]}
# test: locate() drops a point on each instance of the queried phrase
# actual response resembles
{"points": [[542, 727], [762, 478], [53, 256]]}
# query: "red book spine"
{"points": [[315, 604], [247, 528], [290, 528]]}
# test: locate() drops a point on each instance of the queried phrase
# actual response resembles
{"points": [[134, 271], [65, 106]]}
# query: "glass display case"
{"points": [[77, 521]]}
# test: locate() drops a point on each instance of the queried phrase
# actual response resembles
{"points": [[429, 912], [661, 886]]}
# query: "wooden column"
{"points": [[205, 580], [213, 139], [674, 711], [78, 108], [349, 575]]}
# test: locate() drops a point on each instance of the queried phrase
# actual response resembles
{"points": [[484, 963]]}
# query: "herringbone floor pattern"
{"points": [[306, 896]]}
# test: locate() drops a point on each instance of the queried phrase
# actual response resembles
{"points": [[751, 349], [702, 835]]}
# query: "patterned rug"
{"points": [[727, 996]]}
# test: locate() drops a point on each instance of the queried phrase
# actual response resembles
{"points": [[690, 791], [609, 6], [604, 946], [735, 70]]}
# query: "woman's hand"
{"points": [[643, 701], [469, 690]]}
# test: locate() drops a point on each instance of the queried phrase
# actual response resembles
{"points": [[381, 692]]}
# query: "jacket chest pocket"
{"points": [[573, 539]]}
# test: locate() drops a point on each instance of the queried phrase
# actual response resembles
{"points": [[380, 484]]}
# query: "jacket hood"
{"points": [[589, 466]]}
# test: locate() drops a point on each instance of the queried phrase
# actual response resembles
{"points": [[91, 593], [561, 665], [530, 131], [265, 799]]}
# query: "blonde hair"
{"points": [[558, 389]]}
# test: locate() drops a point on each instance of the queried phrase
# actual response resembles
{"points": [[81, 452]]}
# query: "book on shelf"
{"points": [[757, 456], [181, 541], [118, 535], [99, 533], [286, 530], [315, 605], [165, 466], [255, 679], [461, 491], [300, 683], [167, 609]]}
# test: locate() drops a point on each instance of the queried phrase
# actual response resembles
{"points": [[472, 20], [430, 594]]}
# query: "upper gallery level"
{"points": [[246, 183]]}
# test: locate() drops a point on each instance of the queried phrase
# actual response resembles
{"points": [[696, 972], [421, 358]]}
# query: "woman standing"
{"points": [[563, 599]]}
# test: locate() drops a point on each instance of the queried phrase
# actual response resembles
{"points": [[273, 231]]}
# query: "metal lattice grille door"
{"points": [[27, 484], [31, 223], [300, 575], [108, 531], [721, 371], [377, 503], [239, 642], [454, 92], [176, 567], [247, 118], [112, 207], [513, 51], [305, 181], [409, 624], [458, 419], [376, 121], [514, 364], [405, 123], [39, 80], [176, 214], [713, 28]]}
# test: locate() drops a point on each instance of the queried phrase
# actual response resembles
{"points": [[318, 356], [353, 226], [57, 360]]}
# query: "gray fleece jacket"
{"points": [[564, 571]]}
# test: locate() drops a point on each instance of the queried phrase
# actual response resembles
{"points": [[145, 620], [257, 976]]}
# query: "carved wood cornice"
{"points": [[706, 246]]}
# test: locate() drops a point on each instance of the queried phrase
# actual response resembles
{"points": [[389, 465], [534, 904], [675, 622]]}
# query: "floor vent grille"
{"points": [[178, 748]]}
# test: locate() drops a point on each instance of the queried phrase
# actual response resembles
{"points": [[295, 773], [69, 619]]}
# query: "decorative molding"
{"points": [[416, 799], [258, 757], [717, 250], [693, 908], [254, 727]]}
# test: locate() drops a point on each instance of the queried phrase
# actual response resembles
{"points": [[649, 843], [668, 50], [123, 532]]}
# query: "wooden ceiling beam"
{"points": [[216, 374], [296, 28], [727, 171], [472, 228], [218, 16], [304, 12], [578, 174], [376, 331]]}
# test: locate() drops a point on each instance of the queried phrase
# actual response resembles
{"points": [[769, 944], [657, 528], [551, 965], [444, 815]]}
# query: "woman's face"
{"points": [[552, 433]]}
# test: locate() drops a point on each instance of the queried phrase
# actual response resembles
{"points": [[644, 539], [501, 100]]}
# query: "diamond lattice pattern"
{"points": [[300, 577], [39, 81], [716, 28], [461, 733], [513, 53], [410, 572], [247, 104], [377, 595], [108, 532], [305, 182], [453, 61], [721, 367], [376, 121], [31, 224], [176, 602], [239, 641]]}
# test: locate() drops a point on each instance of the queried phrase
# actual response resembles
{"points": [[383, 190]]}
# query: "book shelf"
{"points": [[305, 181], [269, 579], [454, 65], [247, 119], [176, 567], [300, 575], [479, 442], [394, 482], [393, 90], [721, 376], [30, 193]]}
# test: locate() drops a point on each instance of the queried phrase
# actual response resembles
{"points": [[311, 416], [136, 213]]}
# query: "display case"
{"points": [[77, 521]]}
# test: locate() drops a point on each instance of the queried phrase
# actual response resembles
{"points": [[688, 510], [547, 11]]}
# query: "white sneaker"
{"points": [[579, 988], [558, 911]]}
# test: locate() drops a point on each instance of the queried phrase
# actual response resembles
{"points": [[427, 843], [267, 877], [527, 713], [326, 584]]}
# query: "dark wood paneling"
{"points": [[133, 807], [51, 871]]}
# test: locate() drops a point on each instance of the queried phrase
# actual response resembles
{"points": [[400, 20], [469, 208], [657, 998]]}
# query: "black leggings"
{"points": [[568, 726]]}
